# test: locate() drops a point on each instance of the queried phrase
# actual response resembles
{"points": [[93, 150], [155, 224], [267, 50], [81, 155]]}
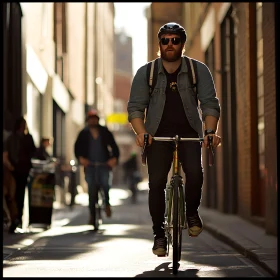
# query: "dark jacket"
{"points": [[21, 149], [41, 153], [81, 147]]}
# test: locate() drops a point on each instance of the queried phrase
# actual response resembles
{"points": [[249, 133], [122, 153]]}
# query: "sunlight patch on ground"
{"points": [[118, 229], [116, 197], [143, 186], [66, 229], [60, 223], [27, 242]]}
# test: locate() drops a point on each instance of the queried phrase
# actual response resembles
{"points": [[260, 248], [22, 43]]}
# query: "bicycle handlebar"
{"points": [[178, 139]]}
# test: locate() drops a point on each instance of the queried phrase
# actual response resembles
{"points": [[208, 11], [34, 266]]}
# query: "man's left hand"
{"points": [[112, 162], [216, 140]]}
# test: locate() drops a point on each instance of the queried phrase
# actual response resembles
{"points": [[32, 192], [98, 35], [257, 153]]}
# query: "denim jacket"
{"points": [[140, 97]]}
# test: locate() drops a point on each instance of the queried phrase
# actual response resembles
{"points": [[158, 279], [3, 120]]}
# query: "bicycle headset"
{"points": [[173, 28]]}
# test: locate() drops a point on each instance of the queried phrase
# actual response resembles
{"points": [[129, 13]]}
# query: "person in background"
{"points": [[132, 175], [96, 144], [18, 150], [41, 152]]}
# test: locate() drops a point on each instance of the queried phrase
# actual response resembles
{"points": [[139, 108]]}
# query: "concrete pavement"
{"points": [[247, 238], [250, 240]]}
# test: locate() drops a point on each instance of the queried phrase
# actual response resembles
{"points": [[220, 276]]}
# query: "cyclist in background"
{"points": [[95, 143], [173, 109], [132, 175]]}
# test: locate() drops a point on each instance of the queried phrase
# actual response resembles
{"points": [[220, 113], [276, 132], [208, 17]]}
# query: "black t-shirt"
{"points": [[174, 120]]}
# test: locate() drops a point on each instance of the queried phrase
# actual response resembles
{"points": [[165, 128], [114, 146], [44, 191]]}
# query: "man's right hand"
{"points": [[140, 139], [84, 161]]}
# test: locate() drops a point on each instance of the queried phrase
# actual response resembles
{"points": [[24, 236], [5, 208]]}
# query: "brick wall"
{"points": [[270, 117], [243, 110], [218, 84], [122, 86]]}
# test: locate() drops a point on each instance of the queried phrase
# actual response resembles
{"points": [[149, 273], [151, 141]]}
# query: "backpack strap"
{"points": [[192, 72], [151, 78]]}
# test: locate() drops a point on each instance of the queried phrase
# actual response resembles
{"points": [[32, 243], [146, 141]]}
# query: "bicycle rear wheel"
{"points": [[177, 236]]}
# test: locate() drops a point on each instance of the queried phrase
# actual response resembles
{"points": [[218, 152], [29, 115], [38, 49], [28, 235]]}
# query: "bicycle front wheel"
{"points": [[176, 226]]}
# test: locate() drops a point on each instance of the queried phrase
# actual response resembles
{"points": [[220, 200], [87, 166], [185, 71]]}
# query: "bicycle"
{"points": [[99, 197], [175, 214]]}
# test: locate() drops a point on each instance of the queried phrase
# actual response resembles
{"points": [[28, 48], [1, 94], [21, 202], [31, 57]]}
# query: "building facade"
{"points": [[13, 60], [238, 42], [123, 79], [58, 62]]}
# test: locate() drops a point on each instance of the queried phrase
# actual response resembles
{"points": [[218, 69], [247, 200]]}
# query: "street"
{"points": [[121, 248]]}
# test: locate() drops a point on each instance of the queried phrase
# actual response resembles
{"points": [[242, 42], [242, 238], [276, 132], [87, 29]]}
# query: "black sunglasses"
{"points": [[174, 41]]}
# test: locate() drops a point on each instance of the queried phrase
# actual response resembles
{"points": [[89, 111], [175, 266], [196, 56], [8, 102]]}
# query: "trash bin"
{"points": [[41, 185]]}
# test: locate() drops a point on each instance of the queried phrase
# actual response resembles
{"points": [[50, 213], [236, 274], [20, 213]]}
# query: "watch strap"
{"points": [[209, 131]]}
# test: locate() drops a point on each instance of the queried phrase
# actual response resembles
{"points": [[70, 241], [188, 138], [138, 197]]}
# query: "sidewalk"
{"points": [[250, 240]]}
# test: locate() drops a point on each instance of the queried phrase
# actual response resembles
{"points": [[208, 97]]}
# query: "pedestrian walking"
{"points": [[18, 150]]}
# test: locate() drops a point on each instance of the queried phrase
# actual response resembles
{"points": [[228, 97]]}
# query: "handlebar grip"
{"points": [[144, 152], [211, 151], [146, 138]]}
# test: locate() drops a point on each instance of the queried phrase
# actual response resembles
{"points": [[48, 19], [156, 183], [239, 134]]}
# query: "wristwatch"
{"points": [[209, 131]]}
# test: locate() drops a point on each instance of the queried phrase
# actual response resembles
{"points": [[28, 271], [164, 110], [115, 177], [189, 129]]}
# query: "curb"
{"points": [[242, 250]]}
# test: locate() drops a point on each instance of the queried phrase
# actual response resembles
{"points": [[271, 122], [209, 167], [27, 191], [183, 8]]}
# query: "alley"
{"points": [[121, 248]]}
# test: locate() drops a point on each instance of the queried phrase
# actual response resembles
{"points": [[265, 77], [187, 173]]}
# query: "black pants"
{"points": [[21, 182], [159, 160]]}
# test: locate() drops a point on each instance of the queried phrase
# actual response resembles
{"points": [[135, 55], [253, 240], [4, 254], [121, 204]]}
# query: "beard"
{"points": [[170, 56]]}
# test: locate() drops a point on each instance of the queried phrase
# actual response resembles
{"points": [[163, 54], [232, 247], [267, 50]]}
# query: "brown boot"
{"points": [[108, 211]]}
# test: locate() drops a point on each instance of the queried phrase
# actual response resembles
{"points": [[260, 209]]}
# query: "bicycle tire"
{"points": [[97, 216], [168, 217], [176, 226], [182, 217]]}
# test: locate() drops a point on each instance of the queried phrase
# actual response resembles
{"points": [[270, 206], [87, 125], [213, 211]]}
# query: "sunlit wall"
{"points": [[39, 66]]}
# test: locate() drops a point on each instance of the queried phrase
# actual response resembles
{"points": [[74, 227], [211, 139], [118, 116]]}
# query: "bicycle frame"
{"points": [[175, 214]]}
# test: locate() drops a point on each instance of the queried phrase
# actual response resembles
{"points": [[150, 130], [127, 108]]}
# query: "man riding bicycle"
{"points": [[172, 109], [96, 144]]}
